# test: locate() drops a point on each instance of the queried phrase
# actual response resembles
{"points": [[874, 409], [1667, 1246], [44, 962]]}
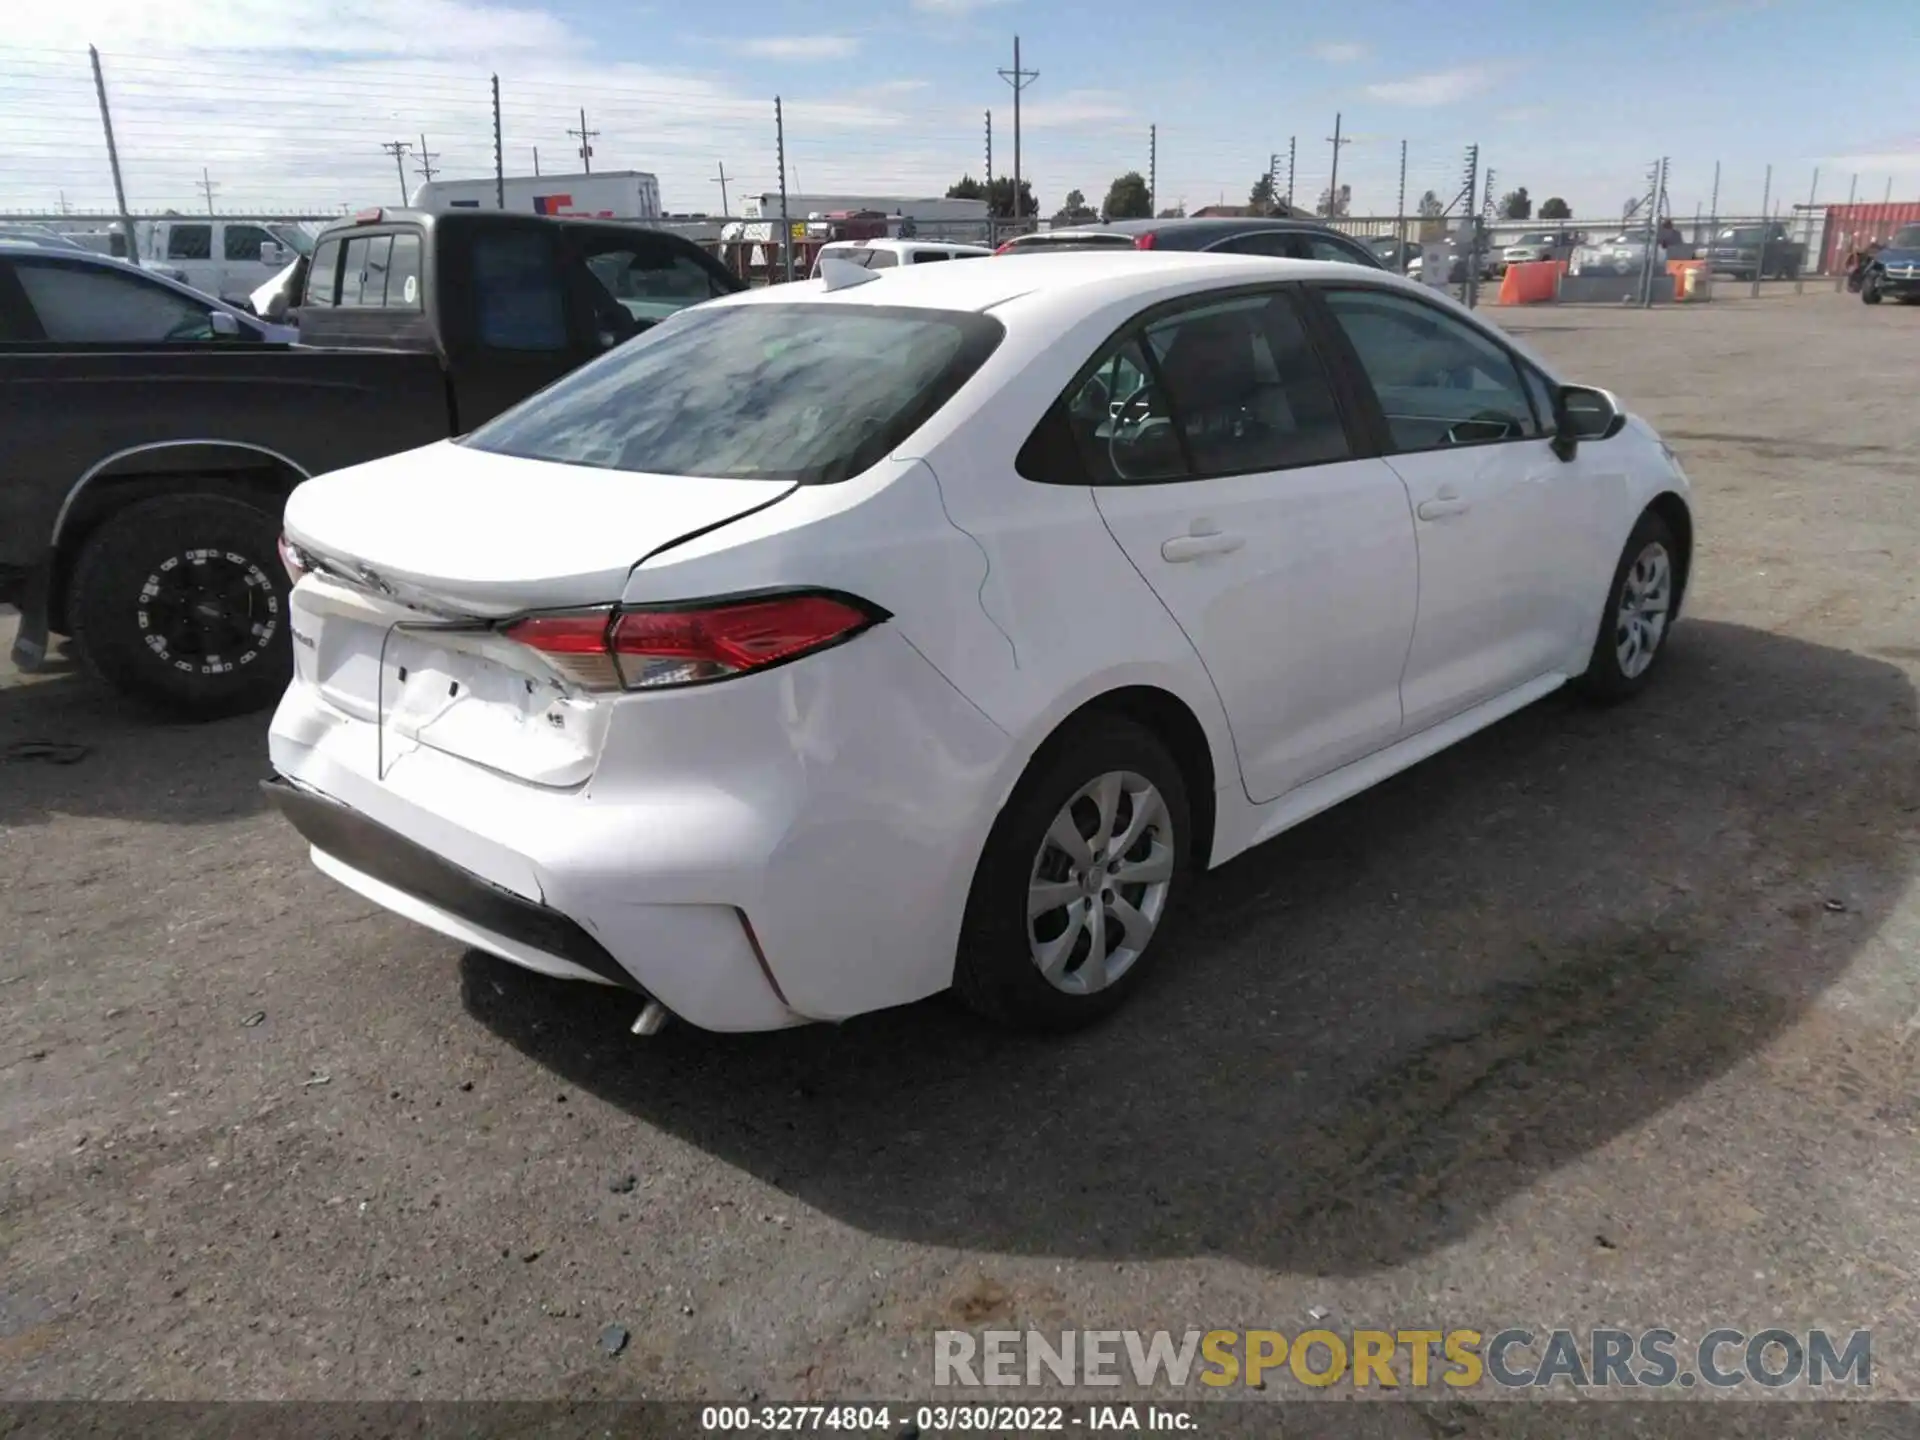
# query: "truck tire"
{"points": [[181, 602]]}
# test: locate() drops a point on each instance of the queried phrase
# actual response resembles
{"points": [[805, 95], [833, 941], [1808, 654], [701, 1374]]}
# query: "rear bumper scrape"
{"points": [[391, 858]]}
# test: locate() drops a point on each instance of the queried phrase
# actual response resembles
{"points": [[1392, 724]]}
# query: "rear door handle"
{"points": [[1441, 506], [1193, 547]]}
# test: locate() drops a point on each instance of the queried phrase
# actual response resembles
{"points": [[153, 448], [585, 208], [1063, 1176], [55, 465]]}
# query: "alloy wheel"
{"points": [[1099, 883], [1640, 623]]}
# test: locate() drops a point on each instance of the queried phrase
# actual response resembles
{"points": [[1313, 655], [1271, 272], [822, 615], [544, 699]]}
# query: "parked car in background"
{"points": [[146, 468], [1894, 273], [1462, 255], [889, 254], [831, 646], [1393, 252], [1283, 238], [1537, 245], [224, 258], [39, 235], [1747, 251]]}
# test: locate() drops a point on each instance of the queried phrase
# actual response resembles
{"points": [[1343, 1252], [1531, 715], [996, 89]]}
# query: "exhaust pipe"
{"points": [[652, 1016]]}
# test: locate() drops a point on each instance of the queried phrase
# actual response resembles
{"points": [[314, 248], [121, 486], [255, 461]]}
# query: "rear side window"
{"points": [[322, 272], [804, 393], [518, 303], [651, 284], [927, 257], [363, 273], [82, 305], [1226, 387], [403, 274], [189, 242], [882, 260], [243, 242]]}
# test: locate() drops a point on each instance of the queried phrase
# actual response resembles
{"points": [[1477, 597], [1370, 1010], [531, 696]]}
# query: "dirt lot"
{"points": [[1604, 1018]]}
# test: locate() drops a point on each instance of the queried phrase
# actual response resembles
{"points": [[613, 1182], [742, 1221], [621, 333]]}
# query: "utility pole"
{"points": [[780, 153], [1153, 165], [1800, 274], [1760, 260], [500, 153], [1333, 183], [992, 227], [1470, 192], [536, 162], [1886, 199], [1293, 145], [1273, 180], [1019, 79], [586, 138], [1713, 208], [1400, 215], [1840, 273], [398, 149], [207, 187], [721, 180], [427, 157], [113, 159]]}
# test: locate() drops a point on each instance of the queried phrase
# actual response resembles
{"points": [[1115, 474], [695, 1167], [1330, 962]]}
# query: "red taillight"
{"points": [[291, 560], [1005, 248], [656, 649], [1143, 242]]}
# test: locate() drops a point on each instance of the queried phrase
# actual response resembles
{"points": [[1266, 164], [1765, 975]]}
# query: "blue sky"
{"points": [[1568, 100]]}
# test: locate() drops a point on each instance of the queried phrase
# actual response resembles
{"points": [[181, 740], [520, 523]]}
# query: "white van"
{"points": [[224, 258], [886, 254]]}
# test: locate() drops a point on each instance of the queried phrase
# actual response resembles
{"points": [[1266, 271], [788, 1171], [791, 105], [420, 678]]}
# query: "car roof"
{"points": [[1072, 279], [1197, 227]]}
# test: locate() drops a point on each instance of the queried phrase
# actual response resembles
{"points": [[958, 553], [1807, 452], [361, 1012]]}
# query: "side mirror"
{"points": [[223, 325], [271, 254], [1581, 412]]}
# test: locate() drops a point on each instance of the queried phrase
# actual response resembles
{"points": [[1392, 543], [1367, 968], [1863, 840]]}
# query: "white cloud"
{"points": [[799, 47], [1440, 87], [1075, 107], [1340, 52]]}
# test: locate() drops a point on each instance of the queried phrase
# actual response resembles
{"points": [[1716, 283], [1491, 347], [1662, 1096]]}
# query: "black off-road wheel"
{"points": [[181, 602], [1078, 882]]}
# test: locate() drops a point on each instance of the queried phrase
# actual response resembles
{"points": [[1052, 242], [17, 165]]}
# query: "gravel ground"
{"points": [[1602, 1018]]}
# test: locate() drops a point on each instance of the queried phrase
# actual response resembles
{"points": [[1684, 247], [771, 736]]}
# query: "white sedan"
{"points": [[835, 644]]}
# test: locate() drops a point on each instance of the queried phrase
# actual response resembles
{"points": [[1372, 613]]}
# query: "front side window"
{"points": [[86, 306], [1320, 247], [323, 271], [243, 242], [1439, 380], [1227, 388], [518, 300], [804, 393], [189, 242], [1262, 242]]}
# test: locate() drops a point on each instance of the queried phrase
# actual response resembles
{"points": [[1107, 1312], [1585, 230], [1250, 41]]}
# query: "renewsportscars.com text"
{"points": [[1513, 1358]]}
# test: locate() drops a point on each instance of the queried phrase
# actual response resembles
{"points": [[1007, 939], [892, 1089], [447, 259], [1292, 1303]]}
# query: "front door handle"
{"points": [[1441, 506], [1193, 547]]}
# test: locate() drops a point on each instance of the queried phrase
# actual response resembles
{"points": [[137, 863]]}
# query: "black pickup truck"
{"points": [[148, 455]]}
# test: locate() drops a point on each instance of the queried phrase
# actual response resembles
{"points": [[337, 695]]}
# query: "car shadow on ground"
{"points": [[71, 746], [1372, 1031]]}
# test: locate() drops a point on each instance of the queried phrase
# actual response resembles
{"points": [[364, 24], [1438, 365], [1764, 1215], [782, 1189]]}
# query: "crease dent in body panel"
{"points": [[986, 561]]}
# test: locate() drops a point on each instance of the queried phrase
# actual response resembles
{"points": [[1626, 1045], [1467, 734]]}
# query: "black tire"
{"points": [[1606, 680], [995, 972], [181, 602], [1870, 292]]}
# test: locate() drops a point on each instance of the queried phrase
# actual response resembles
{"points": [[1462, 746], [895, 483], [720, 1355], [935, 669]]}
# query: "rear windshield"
{"points": [[809, 394]]}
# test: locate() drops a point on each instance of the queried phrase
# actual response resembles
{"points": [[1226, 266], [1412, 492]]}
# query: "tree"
{"points": [[1260, 199], [1075, 211], [1333, 206], [1433, 223], [1516, 205], [1178, 212], [1127, 198], [1554, 208], [999, 195]]}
